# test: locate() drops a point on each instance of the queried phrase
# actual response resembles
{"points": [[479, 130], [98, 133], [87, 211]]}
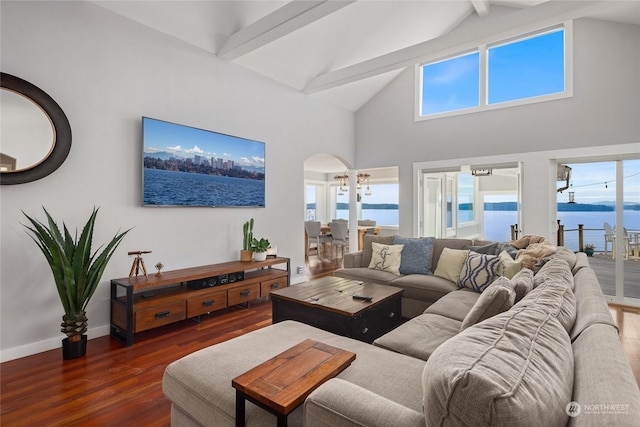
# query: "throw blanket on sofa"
{"points": [[527, 240], [534, 252]]}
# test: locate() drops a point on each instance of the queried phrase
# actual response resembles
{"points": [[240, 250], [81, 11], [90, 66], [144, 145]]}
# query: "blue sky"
{"points": [[185, 141], [517, 70], [588, 182]]}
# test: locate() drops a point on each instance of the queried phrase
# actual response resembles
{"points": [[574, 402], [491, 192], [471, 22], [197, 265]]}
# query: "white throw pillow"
{"points": [[450, 264], [510, 266], [386, 257]]}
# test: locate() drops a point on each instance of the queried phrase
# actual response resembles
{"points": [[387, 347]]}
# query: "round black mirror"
{"points": [[35, 137]]}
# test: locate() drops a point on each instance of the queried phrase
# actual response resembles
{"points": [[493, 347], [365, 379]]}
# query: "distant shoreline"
{"points": [[502, 206]]}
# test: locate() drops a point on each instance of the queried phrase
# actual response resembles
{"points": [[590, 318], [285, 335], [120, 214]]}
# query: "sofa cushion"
{"points": [[423, 287], [439, 245], [200, 383], [515, 368], [590, 303], [386, 257], [599, 358], [554, 267], [416, 254], [497, 298], [508, 266], [478, 271], [366, 274], [567, 255], [554, 296], [450, 264], [522, 283], [420, 336], [367, 239], [455, 305]]}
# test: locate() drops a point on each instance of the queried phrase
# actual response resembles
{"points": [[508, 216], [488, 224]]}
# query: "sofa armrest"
{"points": [[353, 260], [341, 403]]}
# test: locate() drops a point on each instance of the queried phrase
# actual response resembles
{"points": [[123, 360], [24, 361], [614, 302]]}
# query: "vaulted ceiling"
{"points": [[345, 51]]}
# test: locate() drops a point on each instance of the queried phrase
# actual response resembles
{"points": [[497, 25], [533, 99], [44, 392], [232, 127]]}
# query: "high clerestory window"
{"points": [[522, 70]]}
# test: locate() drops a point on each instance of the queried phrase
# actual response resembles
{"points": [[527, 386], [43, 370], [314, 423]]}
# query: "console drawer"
{"points": [[243, 294], [206, 302], [160, 315], [271, 285]]}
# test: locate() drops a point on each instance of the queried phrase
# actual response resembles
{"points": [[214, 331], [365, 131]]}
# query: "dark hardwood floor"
{"points": [[115, 385]]}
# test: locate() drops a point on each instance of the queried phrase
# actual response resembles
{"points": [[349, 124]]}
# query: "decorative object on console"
{"points": [[159, 267], [138, 263], [259, 248], [247, 230], [76, 272], [272, 252]]}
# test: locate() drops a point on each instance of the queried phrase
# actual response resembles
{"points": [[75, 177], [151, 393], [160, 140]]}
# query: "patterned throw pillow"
{"points": [[450, 264], [386, 257], [416, 254], [478, 271]]}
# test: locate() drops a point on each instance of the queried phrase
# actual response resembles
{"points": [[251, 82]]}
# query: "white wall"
{"points": [[605, 110], [106, 72]]}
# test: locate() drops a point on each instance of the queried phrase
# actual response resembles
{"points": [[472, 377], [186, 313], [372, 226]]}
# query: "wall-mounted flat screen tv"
{"points": [[186, 166]]}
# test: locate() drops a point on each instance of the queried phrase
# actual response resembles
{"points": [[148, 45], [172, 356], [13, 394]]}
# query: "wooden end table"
{"points": [[281, 384]]}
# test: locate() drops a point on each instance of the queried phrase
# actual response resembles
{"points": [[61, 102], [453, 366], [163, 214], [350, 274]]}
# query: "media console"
{"points": [[141, 303]]}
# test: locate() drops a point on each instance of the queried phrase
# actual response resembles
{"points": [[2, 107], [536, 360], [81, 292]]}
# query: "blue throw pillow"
{"points": [[416, 254]]}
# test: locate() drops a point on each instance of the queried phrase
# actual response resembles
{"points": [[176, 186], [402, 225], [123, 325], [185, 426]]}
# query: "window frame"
{"points": [[483, 48]]}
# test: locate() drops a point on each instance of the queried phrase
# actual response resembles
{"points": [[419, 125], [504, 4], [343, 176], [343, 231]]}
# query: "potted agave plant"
{"points": [[76, 272]]}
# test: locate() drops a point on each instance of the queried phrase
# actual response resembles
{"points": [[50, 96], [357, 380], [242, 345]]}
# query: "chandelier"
{"points": [[362, 179]]}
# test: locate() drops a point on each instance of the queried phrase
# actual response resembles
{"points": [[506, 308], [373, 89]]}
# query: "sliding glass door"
{"points": [[601, 208]]}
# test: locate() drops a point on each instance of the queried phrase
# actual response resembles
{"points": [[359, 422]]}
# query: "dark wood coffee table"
{"points": [[281, 384], [327, 303]]}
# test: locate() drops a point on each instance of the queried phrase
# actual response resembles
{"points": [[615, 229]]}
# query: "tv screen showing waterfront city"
{"points": [[187, 166]]}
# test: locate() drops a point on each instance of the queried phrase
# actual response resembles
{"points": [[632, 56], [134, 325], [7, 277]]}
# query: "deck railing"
{"points": [[583, 234]]}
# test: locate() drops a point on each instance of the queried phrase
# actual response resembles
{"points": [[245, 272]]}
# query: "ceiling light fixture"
{"points": [[361, 178]]}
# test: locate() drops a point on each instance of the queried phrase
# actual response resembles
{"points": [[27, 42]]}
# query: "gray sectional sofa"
{"points": [[420, 290], [527, 351]]}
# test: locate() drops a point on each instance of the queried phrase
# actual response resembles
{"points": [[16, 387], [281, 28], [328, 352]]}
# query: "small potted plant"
{"points": [[247, 230], [259, 249], [589, 248]]}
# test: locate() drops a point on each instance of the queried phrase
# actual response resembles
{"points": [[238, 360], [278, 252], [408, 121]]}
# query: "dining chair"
{"points": [[366, 223], [608, 236], [314, 235], [339, 235]]}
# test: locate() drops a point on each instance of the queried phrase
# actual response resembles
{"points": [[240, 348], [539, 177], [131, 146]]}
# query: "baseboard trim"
{"points": [[46, 345]]}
